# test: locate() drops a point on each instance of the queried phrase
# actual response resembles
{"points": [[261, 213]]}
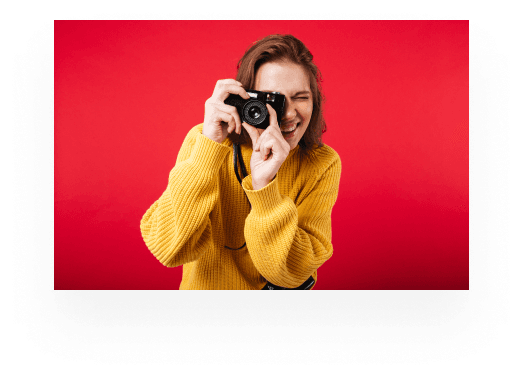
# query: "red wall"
{"points": [[127, 92]]}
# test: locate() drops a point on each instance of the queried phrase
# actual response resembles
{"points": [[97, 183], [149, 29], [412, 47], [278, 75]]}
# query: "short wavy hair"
{"points": [[286, 47]]}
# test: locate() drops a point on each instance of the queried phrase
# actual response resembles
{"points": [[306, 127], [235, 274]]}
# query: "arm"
{"points": [[177, 227], [288, 243]]}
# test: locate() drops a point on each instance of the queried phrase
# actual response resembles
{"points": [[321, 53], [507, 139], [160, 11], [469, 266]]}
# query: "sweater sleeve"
{"points": [[288, 243], [177, 227]]}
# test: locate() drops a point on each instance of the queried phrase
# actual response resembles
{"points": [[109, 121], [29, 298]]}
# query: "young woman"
{"points": [[271, 226]]}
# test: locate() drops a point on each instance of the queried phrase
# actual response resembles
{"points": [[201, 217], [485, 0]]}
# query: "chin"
{"points": [[293, 145], [294, 141]]}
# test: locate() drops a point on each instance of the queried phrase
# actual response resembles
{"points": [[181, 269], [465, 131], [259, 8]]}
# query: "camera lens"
{"points": [[255, 112]]}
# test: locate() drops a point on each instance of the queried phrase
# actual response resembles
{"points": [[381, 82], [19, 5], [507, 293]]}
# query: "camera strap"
{"points": [[237, 151], [238, 156]]}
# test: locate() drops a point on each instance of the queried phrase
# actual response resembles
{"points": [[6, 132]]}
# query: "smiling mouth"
{"points": [[290, 130]]}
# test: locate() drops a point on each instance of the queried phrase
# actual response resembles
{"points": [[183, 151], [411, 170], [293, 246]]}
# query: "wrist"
{"points": [[259, 184], [213, 138]]}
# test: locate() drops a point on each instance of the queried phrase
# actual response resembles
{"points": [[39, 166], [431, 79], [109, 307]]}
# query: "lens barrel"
{"points": [[255, 112]]}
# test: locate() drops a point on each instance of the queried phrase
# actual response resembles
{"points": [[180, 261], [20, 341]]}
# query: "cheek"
{"points": [[306, 112], [310, 107]]}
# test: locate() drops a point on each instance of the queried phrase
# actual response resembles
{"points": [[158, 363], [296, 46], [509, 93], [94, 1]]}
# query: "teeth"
{"points": [[289, 130]]}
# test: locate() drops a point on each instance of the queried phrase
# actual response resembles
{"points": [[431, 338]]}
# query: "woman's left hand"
{"points": [[269, 151]]}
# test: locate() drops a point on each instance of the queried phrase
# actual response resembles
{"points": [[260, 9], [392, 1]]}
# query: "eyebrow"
{"points": [[301, 93]]}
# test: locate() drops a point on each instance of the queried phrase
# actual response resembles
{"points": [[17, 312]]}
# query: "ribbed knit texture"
{"points": [[203, 217]]}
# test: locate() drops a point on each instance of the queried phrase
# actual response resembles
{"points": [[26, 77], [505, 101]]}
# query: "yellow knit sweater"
{"points": [[204, 216]]}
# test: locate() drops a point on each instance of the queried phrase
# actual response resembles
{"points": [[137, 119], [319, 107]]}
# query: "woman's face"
{"points": [[291, 80]]}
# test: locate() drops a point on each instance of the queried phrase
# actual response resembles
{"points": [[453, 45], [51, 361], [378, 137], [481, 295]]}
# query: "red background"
{"points": [[127, 92]]}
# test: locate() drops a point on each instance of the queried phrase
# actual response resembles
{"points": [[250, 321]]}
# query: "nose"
{"points": [[289, 111]]}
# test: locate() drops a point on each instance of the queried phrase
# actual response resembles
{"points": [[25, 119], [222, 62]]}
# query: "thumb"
{"points": [[253, 132]]}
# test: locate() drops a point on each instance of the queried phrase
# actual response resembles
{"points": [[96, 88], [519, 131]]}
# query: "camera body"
{"points": [[253, 111]]}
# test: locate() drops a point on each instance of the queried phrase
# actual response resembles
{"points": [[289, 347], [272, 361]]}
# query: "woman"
{"points": [[273, 230]]}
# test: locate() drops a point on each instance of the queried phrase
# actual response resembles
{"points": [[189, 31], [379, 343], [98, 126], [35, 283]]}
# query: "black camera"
{"points": [[253, 111]]}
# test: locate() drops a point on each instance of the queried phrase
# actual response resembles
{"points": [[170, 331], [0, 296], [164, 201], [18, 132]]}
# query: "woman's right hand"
{"points": [[222, 119]]}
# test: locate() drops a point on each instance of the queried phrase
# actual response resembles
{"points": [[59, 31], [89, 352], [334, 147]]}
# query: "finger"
{"points": [[267, 134], [277, 142], [273, 118], [263, 137], [256, 146], [232, 111], [223, 92], [266, 148], [253, 132], [237, 89], [227, 118]]}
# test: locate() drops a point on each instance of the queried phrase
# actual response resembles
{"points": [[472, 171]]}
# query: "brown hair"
{"points": [[279, 47]]}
